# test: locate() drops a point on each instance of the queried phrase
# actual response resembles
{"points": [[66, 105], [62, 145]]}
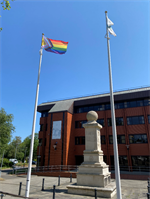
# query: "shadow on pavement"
{"points": [[56, 190]]}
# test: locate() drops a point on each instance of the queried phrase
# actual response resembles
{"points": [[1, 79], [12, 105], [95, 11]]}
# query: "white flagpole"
{"points": [[117, 171], [33, 130]]}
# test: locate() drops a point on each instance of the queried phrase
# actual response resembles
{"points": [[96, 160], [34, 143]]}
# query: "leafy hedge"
{"points": [[6, 163]]}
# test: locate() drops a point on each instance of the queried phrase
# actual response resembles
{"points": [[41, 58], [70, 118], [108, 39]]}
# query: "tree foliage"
{"points": [[6, 129], [5, 6], [21, 149]]}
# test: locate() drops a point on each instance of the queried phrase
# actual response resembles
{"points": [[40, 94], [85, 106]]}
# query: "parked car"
{"points": [[15, 161], [33, 162]]}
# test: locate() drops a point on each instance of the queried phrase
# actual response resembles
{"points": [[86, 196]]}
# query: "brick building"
{"points": [[62, 138]]}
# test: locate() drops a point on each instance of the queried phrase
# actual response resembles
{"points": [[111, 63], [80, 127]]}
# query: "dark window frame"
{"points": [[109, 121], [80, 140], [148, 116], [101, 121], [138, 142], [118, 105], [78, 124], [103, 138], [139, 157], [135, 120], [119, 137]]}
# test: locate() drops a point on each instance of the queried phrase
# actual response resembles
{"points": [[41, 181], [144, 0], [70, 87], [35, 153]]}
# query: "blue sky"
{"points": [[83, 70]]}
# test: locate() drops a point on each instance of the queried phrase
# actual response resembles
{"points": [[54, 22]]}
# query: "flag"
{"points": [[55, 46], [109, 24]]}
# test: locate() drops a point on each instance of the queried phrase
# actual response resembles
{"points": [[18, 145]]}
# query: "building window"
{"points": [[135, 120], [146, 102], [107, 106], [44, 114], [148, 119], [101, 121], [40, 141], [119, 105], [119, 121], [80, 140], [138, 139], [103, 140], [120, 139], [78, 124], [141, 161], [123, 161], [41, 127]]}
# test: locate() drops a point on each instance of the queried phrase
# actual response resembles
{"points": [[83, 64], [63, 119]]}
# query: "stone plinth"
{"points": [[93, 173], [108, 192]]}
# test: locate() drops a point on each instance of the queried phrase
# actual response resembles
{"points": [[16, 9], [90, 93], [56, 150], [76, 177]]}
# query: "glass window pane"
{"points": [[141, 119], [90, 108], [103, 141], [146, 102], [95, 108], [110, 139], [128, 121], [139, 103], [83, 140], [133, 104], [80, 110], [148, 119], [120, 105], [107, 106], [85, 109], [137, 139], [135, 120], [116, 105], [101, 122]]}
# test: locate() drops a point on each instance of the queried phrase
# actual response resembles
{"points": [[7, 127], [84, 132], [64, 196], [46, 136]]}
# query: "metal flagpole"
{"points": [[117, 171], [33, 129]]}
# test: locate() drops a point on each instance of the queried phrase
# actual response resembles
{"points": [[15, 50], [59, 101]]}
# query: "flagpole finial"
{"points": [[105, 11]]}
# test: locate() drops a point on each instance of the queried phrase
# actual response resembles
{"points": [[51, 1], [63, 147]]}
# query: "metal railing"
{"points": [[56, 168], [74, 168], [131, 168]]}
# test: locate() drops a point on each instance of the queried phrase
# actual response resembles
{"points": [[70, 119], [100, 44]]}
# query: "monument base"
{"points": [[106, 192]]}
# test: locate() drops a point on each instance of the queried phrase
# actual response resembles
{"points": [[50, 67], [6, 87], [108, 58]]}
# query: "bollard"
{"points": [[53, 191], [71, 177], [43, 185], [20, 188], [148, 187], [58, 180], [95, 194]]}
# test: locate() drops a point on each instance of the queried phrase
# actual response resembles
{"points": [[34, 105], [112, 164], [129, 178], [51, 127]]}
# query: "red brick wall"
{"points": [[70, 150]]}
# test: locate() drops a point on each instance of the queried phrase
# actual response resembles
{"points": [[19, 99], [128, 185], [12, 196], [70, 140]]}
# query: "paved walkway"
{"points": [[134, 189]]}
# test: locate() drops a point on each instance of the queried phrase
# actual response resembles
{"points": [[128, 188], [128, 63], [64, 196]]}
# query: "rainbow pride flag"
{"points": [[55, 46]]}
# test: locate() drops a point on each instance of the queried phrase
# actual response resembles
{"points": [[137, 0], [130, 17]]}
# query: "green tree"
{"points": [[13, 150], [6, 129], [5, 6], [25, 145]]}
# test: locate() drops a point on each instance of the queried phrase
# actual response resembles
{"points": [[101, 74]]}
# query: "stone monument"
{"points": [[93, 173]]}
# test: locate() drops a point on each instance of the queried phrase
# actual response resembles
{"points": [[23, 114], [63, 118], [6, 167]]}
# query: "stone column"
{"points": [[93, 171]]}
